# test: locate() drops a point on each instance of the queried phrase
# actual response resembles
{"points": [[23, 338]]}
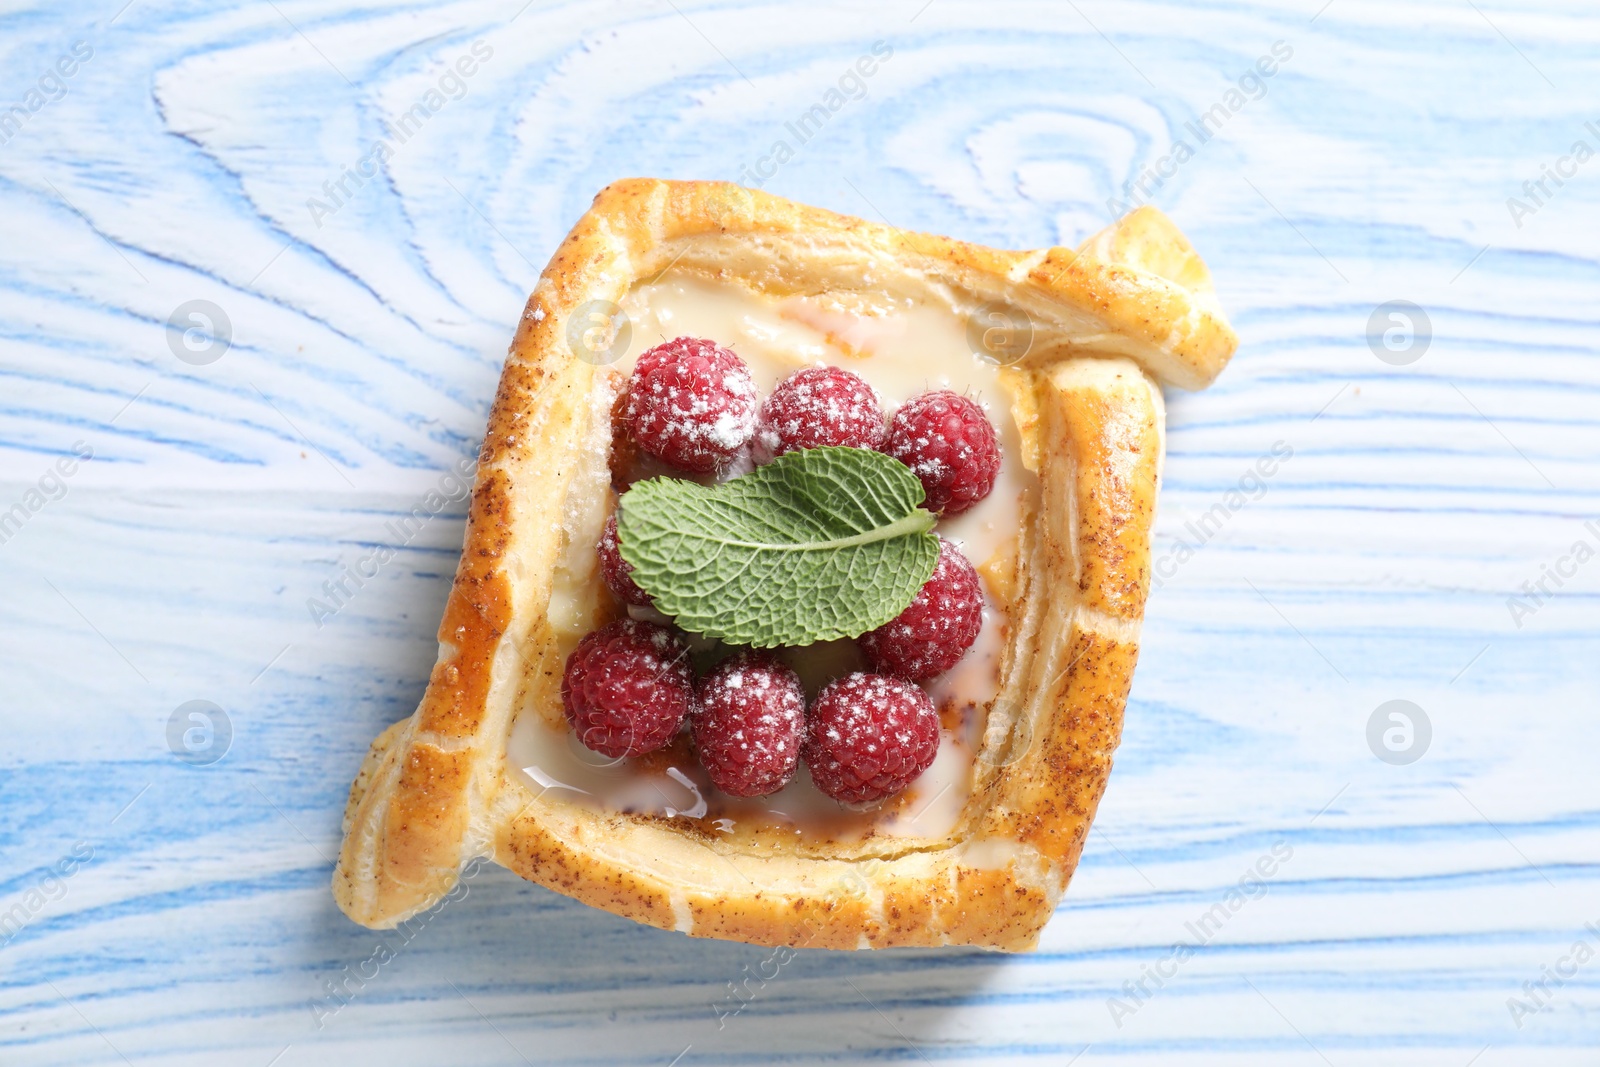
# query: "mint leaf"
{"points": [[818, 544]]}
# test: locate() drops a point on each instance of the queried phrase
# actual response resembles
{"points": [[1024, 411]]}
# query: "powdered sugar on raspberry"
{"points": [[615, 571], [950, 445], [691, 403], [820, 406], [748, 724], [935, 630], [727, 432], [869, 737], [627, 688]]}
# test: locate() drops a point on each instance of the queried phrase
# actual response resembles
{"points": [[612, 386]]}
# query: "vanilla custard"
{"points": [[903, 345]]}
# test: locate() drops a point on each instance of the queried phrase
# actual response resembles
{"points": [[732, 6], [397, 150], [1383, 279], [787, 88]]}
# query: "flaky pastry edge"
{"points": [[1132, 307]]}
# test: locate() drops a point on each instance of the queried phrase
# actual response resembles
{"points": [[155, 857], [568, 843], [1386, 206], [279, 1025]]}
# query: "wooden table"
{"points": [[217, 170]]}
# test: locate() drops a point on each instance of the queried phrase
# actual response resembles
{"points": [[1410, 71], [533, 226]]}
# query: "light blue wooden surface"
{"points": [[175, 164]]}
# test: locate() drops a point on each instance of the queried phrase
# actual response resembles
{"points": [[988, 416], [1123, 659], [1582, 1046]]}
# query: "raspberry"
{"points": [[937, 627], [627, 688], [748, 725], [870, 735], [617, 572], [820, 406], [949, 443], [691, 403]]}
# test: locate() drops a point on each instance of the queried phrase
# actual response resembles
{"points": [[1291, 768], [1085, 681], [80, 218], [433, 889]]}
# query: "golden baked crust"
{"points": [[1132, 306]]}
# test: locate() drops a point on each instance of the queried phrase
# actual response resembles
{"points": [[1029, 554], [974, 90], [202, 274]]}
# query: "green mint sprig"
{"points": [[818, 544]]}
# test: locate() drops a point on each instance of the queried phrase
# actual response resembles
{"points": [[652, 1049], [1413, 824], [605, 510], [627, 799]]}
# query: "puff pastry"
{"points": [[1130, 309]]}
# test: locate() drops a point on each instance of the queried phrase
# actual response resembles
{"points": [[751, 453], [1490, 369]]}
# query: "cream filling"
{"points": [[903, 345]]}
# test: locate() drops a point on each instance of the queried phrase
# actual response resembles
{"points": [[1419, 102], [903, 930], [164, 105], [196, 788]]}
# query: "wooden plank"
{"points": [[1413, 908]]}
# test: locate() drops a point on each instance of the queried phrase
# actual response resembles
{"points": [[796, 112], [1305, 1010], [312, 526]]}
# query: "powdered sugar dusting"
{"points": [[615, 571], [819, 406], [871, 735], [748, 724], [935, 630], [691, 403], [950, 445], [627, 688], [912, 350]]}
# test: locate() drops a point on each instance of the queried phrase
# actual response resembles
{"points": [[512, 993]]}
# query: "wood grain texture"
{"points": [[1405, 904]]}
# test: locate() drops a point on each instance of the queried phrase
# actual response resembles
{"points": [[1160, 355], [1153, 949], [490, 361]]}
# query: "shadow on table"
{"points": [[533, 960]]}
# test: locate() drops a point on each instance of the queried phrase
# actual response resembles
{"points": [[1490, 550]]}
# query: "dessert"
{"points": [[931, 634], [818, 406], [940, 783], [748, 724], [617, 572], [870, 736], [691, 404], [627, 688], [948, 443]]}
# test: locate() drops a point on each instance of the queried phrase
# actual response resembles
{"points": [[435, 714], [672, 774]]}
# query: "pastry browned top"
{"points": [[1131, 307]]}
